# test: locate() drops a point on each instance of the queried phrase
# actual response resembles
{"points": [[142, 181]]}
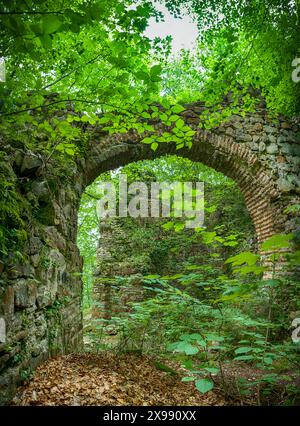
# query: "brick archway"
{"points": [[244, 149]]}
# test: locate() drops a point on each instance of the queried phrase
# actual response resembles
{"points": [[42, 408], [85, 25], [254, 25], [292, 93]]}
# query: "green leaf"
{"points": [[179, 123], [165, 104], [190, 133], [46, 41], [51, 24], [174, 118], [150, 277], [244, 257], [230, 244], [142, 75], [244, 270], [148, 140], [168, 225], [154, 146], [177, 109], [244, 358], [155, 70], [179, 227], [163, 117], [204, 385], [165, 368], [186, 348], [188, 379], [155, 73], [212, 370], [103, 120], [194, 336], [243, 350], [277, 242]]}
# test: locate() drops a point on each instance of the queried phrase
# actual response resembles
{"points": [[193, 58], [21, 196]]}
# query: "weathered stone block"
{"points": [[30, 164], [7, 302], [34, 245], [284, 185], [35, 260], [25, 293], [53, 238], [2, 330], [254, 146], [285, 125], [229, 131], [272, 149], [20, 270], [296, 149], [272, 139], [286, 148], [50, 275], [269, 129], [244, 138], [41, 190]]}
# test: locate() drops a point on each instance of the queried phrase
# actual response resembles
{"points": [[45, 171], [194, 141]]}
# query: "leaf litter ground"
{"points": [[109, 379]]}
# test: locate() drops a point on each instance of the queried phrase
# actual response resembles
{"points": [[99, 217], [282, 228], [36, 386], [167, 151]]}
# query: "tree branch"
{"points": [[31, 12]]}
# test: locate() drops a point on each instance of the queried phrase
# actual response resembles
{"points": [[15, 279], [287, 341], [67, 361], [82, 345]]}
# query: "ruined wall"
{"points": [[117, 257], [40, 294]]}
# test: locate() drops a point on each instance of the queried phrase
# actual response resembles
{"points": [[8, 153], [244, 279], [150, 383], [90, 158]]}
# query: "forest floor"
{"points": [[130, 379], [108, 379]]}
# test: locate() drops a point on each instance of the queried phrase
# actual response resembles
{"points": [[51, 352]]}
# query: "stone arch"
{"points": [[242, 149], [225, 156], [40, 301]]}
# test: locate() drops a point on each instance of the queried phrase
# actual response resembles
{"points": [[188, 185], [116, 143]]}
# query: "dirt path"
{"points": [[107, 379]]}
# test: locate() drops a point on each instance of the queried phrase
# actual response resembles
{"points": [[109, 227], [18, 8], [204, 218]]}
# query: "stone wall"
{"points": [[117, 258], [40, 291]]}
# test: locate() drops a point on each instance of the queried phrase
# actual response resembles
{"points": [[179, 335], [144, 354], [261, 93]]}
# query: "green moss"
{"points": [[44, 213], [14, 211], [26, 374]]}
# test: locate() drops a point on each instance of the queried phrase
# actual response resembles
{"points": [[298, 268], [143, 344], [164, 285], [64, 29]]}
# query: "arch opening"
{"points": [[122, 253]]}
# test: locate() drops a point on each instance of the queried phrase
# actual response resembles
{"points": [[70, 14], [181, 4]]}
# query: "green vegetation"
{"points": [[77, 69], [205, 304]]}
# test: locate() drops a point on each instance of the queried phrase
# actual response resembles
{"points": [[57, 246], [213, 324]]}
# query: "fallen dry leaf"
{"points": [[108, 379]]}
